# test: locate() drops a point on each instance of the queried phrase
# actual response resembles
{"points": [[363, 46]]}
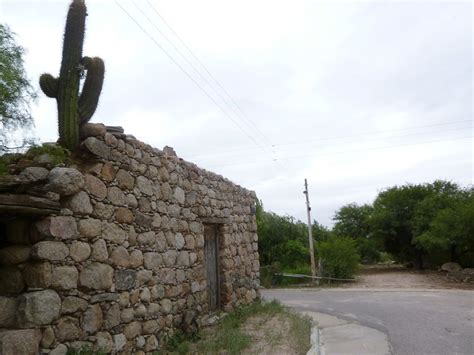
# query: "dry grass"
{"points": [[260, 328]]}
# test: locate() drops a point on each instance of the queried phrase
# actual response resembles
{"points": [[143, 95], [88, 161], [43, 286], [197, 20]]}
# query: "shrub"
{"points": [[339, 257], [57, 153]]}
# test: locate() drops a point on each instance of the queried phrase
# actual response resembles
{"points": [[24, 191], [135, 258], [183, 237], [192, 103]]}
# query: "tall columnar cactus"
{"points": [[74, 110]]}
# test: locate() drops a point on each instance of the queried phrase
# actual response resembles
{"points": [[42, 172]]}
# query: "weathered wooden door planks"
{"points": [[211, 257]]}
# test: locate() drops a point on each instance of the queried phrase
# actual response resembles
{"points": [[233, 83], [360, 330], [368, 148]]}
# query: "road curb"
{"points": [[314, 338], [332, 335]]}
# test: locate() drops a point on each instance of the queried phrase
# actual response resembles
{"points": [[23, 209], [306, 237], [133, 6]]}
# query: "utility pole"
{"points": [[310, 233]]}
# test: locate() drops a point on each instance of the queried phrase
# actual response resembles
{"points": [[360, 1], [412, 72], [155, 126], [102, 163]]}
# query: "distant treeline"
{"points": [[424, 225]]}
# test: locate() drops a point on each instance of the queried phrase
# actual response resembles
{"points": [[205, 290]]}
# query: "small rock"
{"points": [[99, 251], [120, 257], [92, 130], [125, 279], [54, 251], [169, 151], [65, 181], [151, 343], [34, 174], [144, 185], [90, 227], [451, 267], [112, 317], [79, 203], [79, 251], [104, 342], [123, 215], [73, 304], [104, 297], [119, 341], [38, 308], [24, 342], [108, 172], [114, 233], [93, 319], [64, 277], [97, 147], [116, 196], [152, 261], [125, 180], [179, 241], [48, 337], [103, 211], [179, 195], [136, 259], [7, 312], [37, 274], [67, 329], [166, 305], [14, 254], [132, 330], [96, 277], [61, 349], [95, 186], [62, 227]]}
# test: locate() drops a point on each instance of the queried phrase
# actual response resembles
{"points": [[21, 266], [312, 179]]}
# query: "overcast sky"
{"points": [[354, 96]]}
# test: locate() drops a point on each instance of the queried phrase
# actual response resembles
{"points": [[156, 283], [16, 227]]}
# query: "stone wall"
{"points": [[122, 265]]}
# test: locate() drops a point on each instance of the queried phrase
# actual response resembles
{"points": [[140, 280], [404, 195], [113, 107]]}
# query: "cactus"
{"points": [[74, 109]]}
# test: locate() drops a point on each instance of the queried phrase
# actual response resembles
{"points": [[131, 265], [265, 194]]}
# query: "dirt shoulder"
{"points": [[260, 328], [400, 277]]}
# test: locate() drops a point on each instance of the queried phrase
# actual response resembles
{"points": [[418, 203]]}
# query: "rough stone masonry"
{"points": [[119, 265]]}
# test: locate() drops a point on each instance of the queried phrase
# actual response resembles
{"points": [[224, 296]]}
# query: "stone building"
{"points": [[120, 248]]}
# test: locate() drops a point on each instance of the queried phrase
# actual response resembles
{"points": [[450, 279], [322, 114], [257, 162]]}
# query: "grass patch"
{"points": [[85, 351], [57, 153], [247, 330]]}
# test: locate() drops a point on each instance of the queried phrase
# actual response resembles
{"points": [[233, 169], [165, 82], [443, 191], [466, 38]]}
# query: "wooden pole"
{"points": [[310, 232]]}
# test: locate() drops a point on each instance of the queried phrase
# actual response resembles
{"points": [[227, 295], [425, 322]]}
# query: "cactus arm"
{"points": [[92, 87], [49, 85]]}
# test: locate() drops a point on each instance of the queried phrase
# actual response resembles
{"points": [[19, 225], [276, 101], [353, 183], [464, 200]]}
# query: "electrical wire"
{"points": [[248, 148], [347, 151], [207, 71], [188, 75]]}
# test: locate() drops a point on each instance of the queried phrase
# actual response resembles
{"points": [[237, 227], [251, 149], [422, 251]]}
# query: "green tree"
{"points": [[451, 228], [281, 239], [353, 221], [393, 221], [425, 222], [339, 257], [16, 93]]}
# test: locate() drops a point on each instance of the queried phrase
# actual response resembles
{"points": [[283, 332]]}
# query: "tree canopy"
{"points": [[16, 93]]}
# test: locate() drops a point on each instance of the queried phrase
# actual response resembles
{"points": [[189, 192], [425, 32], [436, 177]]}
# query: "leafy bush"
{"points": [[339, 257], [368, 250]]}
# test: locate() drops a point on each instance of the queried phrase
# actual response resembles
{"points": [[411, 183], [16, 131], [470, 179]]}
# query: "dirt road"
{"points": [[399, 277]]}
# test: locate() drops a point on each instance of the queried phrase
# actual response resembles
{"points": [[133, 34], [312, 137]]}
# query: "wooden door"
{"points": [[211, 258]]}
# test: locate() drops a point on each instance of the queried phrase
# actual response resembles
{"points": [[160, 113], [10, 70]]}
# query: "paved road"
{"points": [[434, 322]]}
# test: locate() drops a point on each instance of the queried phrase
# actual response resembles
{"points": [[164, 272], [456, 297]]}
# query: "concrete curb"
{"points": [[331, 335], [314, 338]]}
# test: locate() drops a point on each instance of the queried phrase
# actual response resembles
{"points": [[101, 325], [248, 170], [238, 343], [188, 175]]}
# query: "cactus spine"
{"points": [[74, 110]]}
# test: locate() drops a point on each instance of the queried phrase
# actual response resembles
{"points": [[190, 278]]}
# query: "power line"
{"points": [[240, 149], [207, 70], [224, 100], [378, 132], [188, 75], [347, 151]]}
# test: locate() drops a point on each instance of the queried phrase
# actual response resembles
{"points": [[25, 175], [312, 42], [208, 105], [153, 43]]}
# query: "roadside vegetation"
{"points": [[262, 327], [418, 225]]}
